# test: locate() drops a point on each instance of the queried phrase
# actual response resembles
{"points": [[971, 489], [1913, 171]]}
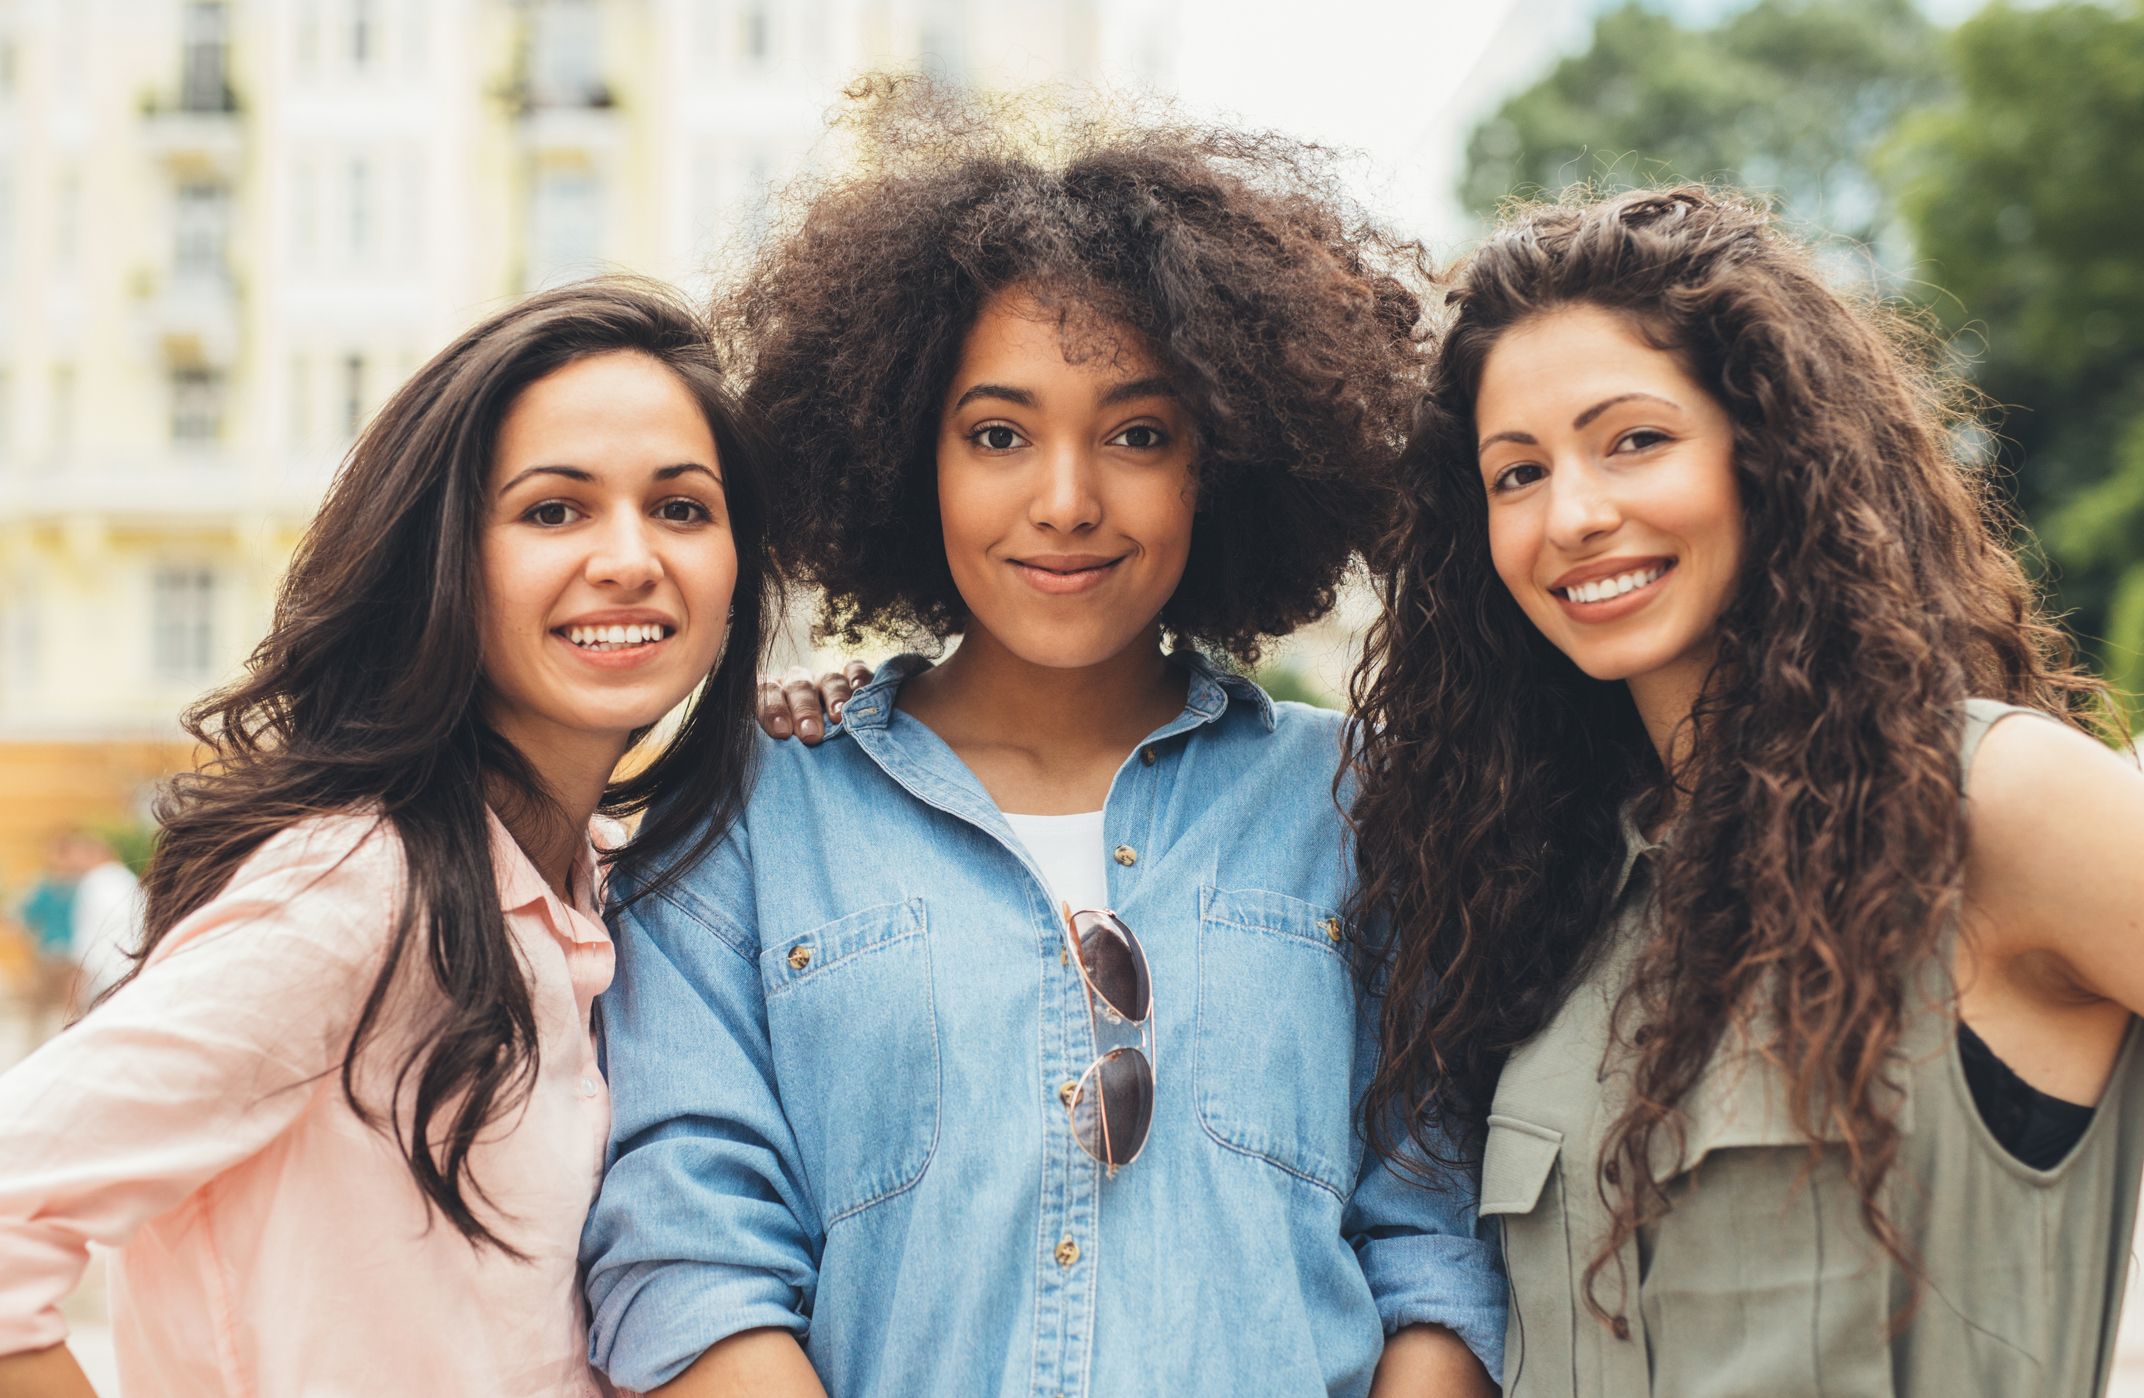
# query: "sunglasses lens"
{"points": [[1114, 1106], [1116, 968]]}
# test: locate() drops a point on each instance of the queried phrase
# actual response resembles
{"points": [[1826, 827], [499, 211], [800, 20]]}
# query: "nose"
{"points": [[1582, 506], [623, 555], [1065, 498]]}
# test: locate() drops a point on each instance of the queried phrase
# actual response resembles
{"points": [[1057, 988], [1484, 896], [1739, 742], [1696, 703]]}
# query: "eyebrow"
{"points": [[1577, 423], [1154, 386], [575, 473]]}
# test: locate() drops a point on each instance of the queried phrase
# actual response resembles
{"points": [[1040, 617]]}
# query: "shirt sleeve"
{"points": [[1425, 1250], [233, 1027], [703, 1227]]}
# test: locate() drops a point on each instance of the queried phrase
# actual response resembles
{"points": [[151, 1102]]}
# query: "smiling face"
{"points": [[1065, 488], [1614, 518], [606, 555]]}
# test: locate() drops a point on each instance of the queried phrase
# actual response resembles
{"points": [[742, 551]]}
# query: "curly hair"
{"points": [[1289, 325], [1818, 849]]}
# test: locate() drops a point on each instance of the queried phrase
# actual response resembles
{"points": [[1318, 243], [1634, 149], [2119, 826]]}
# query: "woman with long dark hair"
{"points": [[345, 1118], [1757, 894], [1008, 1043]]}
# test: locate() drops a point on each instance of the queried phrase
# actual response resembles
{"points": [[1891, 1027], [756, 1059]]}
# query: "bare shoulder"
{"points": [[2054, 839]]}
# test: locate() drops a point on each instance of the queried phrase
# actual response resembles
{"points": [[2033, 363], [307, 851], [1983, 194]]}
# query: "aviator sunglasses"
{"points": [[1112, 1105]]}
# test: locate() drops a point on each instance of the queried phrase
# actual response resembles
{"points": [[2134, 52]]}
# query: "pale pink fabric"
{"points": [[270, 1242]]}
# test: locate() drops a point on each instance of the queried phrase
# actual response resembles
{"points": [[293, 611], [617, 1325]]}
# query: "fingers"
{"points": [[773, 711], [800, 694], [794, 703]]}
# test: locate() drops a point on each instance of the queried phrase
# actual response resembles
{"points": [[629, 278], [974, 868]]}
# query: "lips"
{"points": [[1059, 575]]}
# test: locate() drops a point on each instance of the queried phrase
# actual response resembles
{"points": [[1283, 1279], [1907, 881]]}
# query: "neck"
{"points": [[1664, 700], [986, 694], [574, 769]]}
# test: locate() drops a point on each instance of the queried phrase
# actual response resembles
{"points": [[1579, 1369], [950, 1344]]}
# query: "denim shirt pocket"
{"points": [[854, 1031], [1276, 1034]]}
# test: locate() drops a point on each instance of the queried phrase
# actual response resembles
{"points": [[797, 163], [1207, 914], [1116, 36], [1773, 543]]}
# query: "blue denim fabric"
{"points": [[835, 1054]]}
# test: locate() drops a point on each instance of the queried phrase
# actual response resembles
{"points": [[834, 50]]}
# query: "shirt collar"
{"points": [[1206, 698], [522, 888]]}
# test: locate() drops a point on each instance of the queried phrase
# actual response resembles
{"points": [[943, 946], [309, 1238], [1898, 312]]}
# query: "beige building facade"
{"points": [[228, 228]]}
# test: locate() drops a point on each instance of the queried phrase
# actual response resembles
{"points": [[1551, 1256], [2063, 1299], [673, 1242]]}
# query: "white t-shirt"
{"points": [[1069, 849]]}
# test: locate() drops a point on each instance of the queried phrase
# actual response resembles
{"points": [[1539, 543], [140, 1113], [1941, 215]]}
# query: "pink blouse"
{"points": [[271, 1242]]}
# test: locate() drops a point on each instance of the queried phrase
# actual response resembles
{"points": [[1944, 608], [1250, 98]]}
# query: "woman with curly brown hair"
{"points": [[1008, 1043], [1790, 987]]}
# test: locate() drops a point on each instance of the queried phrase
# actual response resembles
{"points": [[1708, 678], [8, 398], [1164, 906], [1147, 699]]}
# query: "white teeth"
{"points": [[1601, 589], [612, 637]]}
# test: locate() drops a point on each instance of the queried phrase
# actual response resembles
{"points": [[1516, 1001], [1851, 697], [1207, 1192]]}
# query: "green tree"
{"points": [[1787, 97], [2020, 192]]}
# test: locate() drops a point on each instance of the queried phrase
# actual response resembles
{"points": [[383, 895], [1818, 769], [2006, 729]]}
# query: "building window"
{"points": [[202, 229], [360, 209], [182, 623], [756, 40], [20, 643], [566, 233], [196, 407], [565, 58], [364, 30], [204, 71], [63, 407], [353, 394]]}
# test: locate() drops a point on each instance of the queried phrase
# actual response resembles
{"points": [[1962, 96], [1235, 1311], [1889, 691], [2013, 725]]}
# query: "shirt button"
{"points": [[799, 958], [1148, 755], [1125, 855], [1332, 928], [588, 1087], [1065, 1091], [1067, 1253]]}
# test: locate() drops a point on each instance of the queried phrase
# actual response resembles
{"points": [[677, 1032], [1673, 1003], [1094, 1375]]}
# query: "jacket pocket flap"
{"points": [[1516, 1161], [801, 958], [1741, 1101]]}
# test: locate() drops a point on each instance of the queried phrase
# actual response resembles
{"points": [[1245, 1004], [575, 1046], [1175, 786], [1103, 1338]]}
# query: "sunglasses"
{"points": [[1112, 1105]]}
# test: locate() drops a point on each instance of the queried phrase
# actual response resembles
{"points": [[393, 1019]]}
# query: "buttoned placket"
{"points": [[1067, 1244]]}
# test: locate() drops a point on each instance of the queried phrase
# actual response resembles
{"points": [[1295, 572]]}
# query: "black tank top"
{"points": [[2035, 1128]]}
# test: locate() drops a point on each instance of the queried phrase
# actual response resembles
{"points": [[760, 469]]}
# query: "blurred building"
{"points": [[228, 228]]}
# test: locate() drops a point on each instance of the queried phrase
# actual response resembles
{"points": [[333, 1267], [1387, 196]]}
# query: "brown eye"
{"points": [[683, 511], [551, 514], [1514, 477], [1141, 437], [995, 436]]}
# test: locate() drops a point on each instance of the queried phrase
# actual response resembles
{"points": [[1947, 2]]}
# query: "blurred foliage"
{"points": [[1287, 682], [2021, 192], [2000, 160], [133, 842], [1787, 97]]}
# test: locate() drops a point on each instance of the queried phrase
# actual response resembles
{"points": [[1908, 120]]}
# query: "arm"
{"points": [[703, 1229], [2055, 896], [195, 1065], [1430, 1361], [44, 1373], [1434, 1268], [763, 1363]]}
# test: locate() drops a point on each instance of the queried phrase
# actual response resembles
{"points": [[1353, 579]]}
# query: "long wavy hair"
{"points": [[1818, 845], [368, 696]]}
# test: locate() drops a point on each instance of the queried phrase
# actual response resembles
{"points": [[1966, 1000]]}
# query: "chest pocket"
{"points": [[1276, 1034], [1522, 1187], [854, 1032]]}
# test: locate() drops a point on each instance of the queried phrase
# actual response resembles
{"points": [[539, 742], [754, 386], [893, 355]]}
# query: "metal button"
{"points": [[1065, 1091], [1067, 1253], [799, 958], [1125, 855], [1147, 754], [1332, 928]]}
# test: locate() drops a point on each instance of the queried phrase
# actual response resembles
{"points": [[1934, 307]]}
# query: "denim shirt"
{"points": [[837, 1049]]}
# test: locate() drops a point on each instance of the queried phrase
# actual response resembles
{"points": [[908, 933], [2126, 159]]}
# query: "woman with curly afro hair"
{"points": [[1009, 1043], [1759, 896]]}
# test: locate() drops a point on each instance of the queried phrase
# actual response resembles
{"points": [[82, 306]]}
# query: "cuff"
{"points": [[1438, 1279]]}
